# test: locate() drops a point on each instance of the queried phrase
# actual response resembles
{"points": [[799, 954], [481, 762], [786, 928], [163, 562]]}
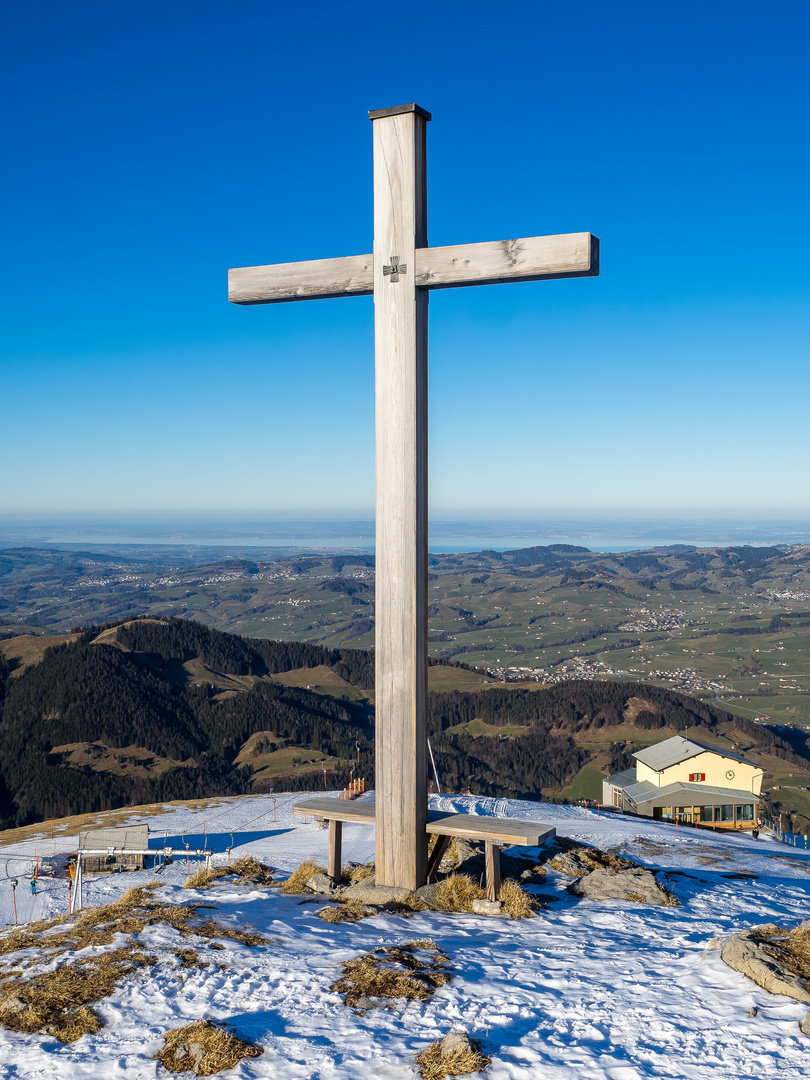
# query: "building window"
{"points": [[617, 796], [724, 813], [705, 814], [697, 777], [683, 813], [745, 813]]}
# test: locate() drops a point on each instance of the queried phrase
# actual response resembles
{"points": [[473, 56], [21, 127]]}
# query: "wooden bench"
{"points": [[495, 832]]}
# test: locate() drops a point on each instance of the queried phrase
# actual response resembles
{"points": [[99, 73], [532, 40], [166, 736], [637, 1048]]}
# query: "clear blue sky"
{"points": [[151, 146]]}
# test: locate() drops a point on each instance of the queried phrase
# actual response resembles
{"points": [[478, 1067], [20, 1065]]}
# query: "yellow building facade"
{"points": [[680, 779]]}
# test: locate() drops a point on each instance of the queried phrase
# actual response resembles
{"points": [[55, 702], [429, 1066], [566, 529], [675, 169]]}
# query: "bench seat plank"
{"points": [[500, 830], [503, 830], [336, 810]]}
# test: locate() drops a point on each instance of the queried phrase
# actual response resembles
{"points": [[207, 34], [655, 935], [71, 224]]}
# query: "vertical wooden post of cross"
{"points": [[400, 336]]}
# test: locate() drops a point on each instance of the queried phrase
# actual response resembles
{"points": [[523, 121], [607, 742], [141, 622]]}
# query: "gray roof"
{"points": [[622, 779], [677, 749], [693, 794], [132, 837]]}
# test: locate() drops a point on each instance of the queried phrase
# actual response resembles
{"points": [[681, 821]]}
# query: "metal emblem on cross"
{"points": [[395, 269], [400, 342]]}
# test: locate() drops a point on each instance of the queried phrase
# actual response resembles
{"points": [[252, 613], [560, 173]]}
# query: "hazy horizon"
{"points": [[445, 534]]}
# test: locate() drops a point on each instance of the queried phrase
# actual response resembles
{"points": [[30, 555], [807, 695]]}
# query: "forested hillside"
{"points": [[548, 735], [153, 710], [130, 692]]}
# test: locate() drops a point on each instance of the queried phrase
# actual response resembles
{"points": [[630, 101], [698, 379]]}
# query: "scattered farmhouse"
{"points": [[683, 780]]}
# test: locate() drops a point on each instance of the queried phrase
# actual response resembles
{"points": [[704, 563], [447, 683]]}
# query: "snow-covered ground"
{"points": [[584, 991]]}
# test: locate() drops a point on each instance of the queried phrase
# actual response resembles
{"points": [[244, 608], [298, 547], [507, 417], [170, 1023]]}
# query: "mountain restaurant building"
{"points": [[680, 779]]}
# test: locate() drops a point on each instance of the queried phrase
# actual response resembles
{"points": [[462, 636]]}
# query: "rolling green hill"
{"points": [[151, 710], [729, 623]]}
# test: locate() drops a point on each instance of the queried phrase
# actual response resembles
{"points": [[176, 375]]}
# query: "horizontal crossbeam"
{"points": [[532, 258]]}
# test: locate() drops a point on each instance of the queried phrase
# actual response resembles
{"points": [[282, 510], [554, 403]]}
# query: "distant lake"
{"points": [[445, 537]]}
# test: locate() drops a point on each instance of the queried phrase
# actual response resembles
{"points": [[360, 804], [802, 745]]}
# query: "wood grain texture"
{"points": [[506, 830], [400, 336], [531, 258], [335, 845], [319, 279], [330, 809], [496, 262], [493, 865]]}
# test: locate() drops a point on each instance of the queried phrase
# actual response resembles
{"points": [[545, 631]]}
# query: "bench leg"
{"points": [[335, 843], [493, 858], [436, 856]]}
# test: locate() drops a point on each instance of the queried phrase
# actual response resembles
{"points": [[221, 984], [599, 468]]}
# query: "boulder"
{"points": [[13, 1004], [487, 907], [532, 877], [639, 885], [367, 892], [427, 894], [569, 864], [749, 958], [372, 1002], [804, 1025], [196, 1051], [457, 1041], [470, 860], [193, 1050], [322, 883], [465, 851]]}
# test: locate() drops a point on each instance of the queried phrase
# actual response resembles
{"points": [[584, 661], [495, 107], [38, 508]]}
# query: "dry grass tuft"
{"points": [[516, 901], [434, 1065], [791, 948], [204, 878], [247, 868], [204, 1048], [602, 860], [451, 854], [252, 871], [457, 892], [57, 1002], [189, 958], [212, 929], [357, 873], [414, 971], [296, 882], [348, 912]]}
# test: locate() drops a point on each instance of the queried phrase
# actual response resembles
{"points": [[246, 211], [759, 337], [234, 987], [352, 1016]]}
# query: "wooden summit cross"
{"points": [[400, 274]]}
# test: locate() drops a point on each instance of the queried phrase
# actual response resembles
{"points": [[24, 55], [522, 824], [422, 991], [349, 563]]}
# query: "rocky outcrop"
{"points": [[637, 884], [469, 859], [747, 954], [321, 883], [487, 907], [368, 892], [569, 864]]}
